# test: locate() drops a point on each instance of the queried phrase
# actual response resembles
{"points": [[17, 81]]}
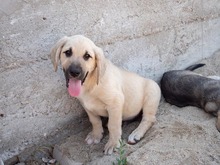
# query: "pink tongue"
{"points": [[74, 87]]}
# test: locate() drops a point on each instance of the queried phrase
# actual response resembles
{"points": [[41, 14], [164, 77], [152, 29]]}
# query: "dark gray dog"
{"points": [[184, 88]]}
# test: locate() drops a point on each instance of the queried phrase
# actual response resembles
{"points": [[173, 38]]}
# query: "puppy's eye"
{"points": [[86, 56], [68, 53]]}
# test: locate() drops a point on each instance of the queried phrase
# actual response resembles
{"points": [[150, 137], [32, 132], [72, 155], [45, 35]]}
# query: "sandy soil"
{"points": [[180, 136], [183, 135]]}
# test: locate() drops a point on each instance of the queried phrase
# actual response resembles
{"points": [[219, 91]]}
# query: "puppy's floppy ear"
{"points": [[56, 50], [100, 63]]}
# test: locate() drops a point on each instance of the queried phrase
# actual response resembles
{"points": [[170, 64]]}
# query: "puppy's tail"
{"points": [[195, 66]]}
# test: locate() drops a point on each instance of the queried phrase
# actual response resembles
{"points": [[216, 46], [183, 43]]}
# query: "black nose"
{"points": [[75, 71]]}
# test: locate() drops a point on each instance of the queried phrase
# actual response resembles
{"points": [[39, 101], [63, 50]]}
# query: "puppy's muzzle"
{"points": [[76, 72]]}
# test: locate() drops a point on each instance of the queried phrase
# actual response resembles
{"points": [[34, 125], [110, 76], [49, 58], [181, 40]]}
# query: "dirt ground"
{"points": [[180, 136], [183, 135], [146, 37]]}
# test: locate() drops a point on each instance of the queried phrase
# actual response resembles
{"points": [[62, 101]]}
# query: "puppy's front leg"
{"points": [[96, 134], [114, 127]]}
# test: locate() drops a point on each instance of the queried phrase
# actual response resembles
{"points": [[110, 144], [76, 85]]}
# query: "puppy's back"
{"points": [[183, 88]]}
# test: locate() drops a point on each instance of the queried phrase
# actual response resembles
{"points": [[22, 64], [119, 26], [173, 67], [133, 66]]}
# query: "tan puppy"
{"points": [[105, 90]]}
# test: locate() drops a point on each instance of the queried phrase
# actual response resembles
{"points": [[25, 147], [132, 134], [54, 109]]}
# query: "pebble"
{"points": [[1, 162]]}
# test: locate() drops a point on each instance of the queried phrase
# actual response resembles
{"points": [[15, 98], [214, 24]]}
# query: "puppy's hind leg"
{"points": [[150, 107]]}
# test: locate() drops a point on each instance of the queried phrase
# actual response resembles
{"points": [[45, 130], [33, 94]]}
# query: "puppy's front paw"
{"points": [[93, 138], [111, 146]]}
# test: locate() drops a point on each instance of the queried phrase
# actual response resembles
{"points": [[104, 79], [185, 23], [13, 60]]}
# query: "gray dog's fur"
{"points": [[186, 88]]}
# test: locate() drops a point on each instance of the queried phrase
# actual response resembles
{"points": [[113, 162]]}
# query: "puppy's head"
{"points": [[80, 59]]}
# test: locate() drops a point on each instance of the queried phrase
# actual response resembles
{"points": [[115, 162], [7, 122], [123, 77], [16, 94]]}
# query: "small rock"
{"points": [[45, 160], [52, 161], [20, 164], [43, 58], [1, 162]]}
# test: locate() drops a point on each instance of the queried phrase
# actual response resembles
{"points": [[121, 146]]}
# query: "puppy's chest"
{"points": [[94, 105]]}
